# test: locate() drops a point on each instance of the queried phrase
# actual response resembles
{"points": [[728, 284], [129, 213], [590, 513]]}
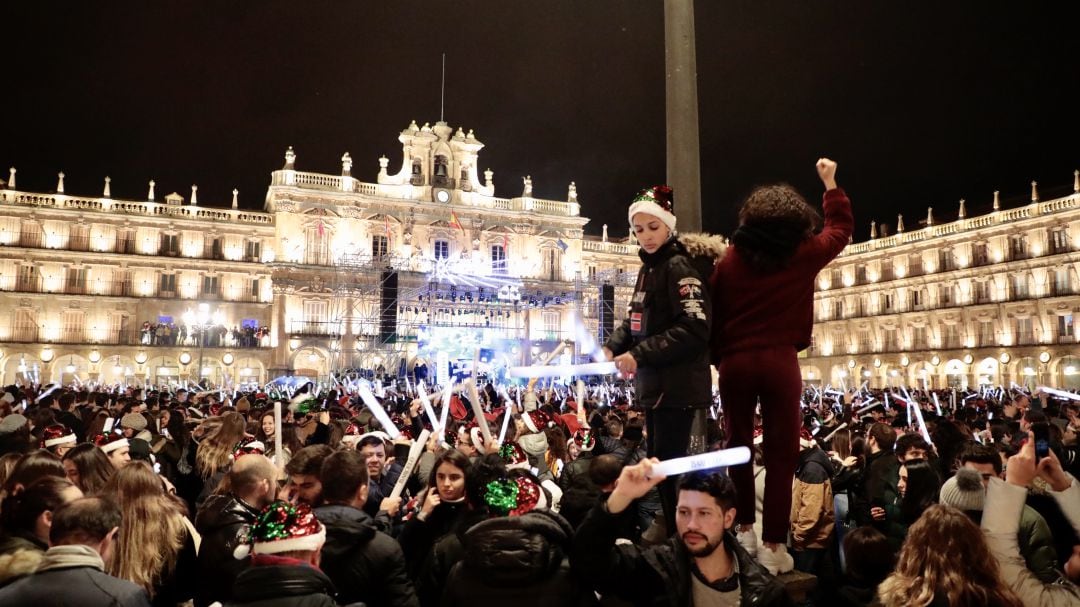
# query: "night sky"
{"points": [[921, 103]]}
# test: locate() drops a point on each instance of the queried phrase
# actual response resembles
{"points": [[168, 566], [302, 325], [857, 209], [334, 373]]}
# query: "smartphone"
{"points": [[1040, 433], [108, 425]]}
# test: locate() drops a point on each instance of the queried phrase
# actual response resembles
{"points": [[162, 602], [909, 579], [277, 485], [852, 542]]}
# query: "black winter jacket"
{"points": [[363, 563], [580, 494], [667, 331], [519, 561], [222, 522], [659, 575], [80, 586], [289, 584]]}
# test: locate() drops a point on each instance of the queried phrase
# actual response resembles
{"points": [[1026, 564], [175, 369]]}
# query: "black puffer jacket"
{"points": [[580, 494], [222, 522], [667, 331], [364, 563], [517, 560], [659, 575], [288, 584]]}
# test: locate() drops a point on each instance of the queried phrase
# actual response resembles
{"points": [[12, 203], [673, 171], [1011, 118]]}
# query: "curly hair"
{"points": [[945, 552], [773, 221]]}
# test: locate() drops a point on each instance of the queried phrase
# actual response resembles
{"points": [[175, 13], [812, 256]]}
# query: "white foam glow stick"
{"points": [[446, 394], [415, 450], [868, 407], [478, 411], [831, 434], [703, 461], [506, 422], [922, 426], [426, 402], [604, 368], [378, 411], [937, 404], [1060, 393], [279, 459]]}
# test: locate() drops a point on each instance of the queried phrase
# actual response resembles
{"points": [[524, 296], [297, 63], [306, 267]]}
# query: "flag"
{"points": [[321, 229], [562, 245], [506, 243], [454, 223]]}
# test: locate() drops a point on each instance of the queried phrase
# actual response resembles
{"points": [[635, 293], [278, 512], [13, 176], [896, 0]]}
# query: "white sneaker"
{"points": [[776, 561], [748, 540]]}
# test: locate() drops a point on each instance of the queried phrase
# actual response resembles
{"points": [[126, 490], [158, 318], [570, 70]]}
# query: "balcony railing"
{"points": [[109, 288], [130, 338], [133, 207], [305, 328], [125, 246]]}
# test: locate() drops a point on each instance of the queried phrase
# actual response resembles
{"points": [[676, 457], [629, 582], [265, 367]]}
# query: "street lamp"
{"points": [[70, 368]]}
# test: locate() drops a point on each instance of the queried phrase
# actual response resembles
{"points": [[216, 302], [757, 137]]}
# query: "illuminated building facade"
{"points": [[333, 273], [985, 300]]}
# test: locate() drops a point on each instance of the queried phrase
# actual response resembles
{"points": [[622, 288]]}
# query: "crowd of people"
{"points": [[534, 494], [185, 499]]}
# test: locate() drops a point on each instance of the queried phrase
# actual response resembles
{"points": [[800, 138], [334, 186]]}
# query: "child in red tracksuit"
{"points": [[763, 298]]}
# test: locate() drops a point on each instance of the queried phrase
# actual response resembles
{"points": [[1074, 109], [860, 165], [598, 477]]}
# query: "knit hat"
{"points": [[111, 442], [656, 201], [56, 434], [135, 421], [283, 527], [964, 491], [12, 423], [584, 439]]}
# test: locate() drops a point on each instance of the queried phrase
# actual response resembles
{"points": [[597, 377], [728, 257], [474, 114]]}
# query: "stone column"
{"points": [[683, 150]]}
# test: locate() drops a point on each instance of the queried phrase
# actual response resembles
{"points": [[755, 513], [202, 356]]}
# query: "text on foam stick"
{"points": [[704, 461]]}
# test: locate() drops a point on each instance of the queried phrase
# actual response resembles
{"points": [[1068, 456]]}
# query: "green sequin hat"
{"points": [[283, 527]]}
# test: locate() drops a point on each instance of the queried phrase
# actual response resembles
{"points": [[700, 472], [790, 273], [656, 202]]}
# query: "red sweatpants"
{"points": [[772, 376]]}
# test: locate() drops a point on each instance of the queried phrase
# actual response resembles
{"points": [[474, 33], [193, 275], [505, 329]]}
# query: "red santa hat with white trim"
{"points": [[55, 435]]}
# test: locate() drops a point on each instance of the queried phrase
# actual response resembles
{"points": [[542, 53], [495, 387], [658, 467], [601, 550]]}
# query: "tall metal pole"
{"points": [[683, 150]]}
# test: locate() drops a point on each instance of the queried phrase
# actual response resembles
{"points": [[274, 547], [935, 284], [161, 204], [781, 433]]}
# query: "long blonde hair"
{"points": [[152, 532], [946, 552], [216, 448]]}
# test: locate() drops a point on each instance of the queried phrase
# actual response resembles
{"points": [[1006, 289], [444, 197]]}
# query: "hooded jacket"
{"points": [[516, 560], [223, 522], [812, 518], [667, 330], [365, 564], [659, 575]]}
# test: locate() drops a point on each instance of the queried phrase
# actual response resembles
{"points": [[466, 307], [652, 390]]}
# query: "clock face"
{"points": [[442, 196]]}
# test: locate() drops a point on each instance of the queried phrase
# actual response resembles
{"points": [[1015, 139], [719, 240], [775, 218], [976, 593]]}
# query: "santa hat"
{"points": [[656, 201], [405, 427], [458, 410], [111, 442], [56, 434], [514, 496], [759, 435], [513, 456], [249, 446], [584, 439], [536, 420], [450, 437], [352, 434], [806, 440], [283, 527]]}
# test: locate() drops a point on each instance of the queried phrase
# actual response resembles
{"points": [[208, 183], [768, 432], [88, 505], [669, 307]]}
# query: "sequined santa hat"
{"points": [[111, 442], [283, 527], [472, 429], [249, 446], [759, 435], [55, 435], [806, 440], [656, 201], [536, 420], [584, 439], [513, 456], [514, 496]]}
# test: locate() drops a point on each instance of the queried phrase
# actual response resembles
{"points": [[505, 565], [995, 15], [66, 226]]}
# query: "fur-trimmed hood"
{"points": [[705, 251]]}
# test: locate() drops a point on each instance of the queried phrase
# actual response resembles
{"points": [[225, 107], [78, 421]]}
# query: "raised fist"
{"points": [[826, 170]]}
